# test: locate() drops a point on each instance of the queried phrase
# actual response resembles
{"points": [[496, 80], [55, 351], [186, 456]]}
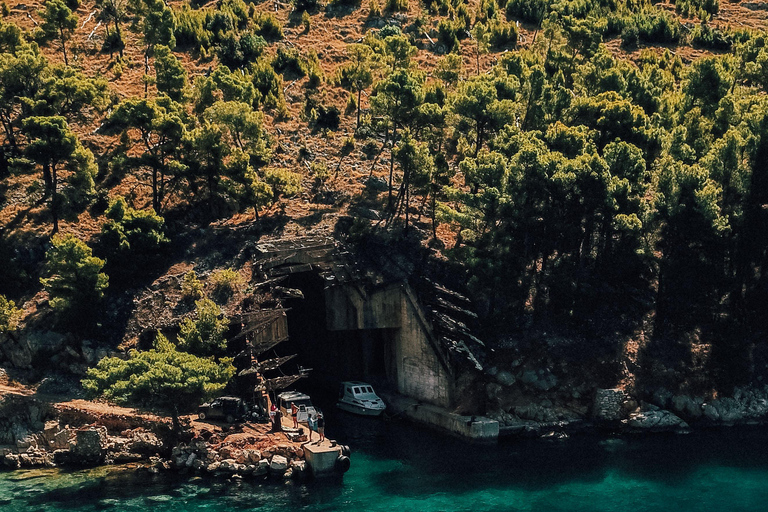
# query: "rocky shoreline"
{"points": [[617, 411]]}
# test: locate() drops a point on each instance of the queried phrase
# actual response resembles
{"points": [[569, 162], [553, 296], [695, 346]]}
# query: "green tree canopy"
{"points": [[163, 378], [53, 146], [74, 280], [58, 22], [10, 315], [204, 335], [171, 77]]}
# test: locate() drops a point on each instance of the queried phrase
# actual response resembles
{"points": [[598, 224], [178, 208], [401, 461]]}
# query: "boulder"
{"points": [[609, 405], [278, 465], [261, 468], [126, 457], [659, 419], [90, 446], [145, 443], [686, 406], [505, 378]]}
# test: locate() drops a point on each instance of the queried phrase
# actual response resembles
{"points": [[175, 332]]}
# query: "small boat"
{"points": [[359, 398]]}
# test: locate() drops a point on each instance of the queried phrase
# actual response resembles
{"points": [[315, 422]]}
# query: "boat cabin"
{"points": [[302, 401]]}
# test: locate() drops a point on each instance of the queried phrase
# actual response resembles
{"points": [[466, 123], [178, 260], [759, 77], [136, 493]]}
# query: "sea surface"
{"points": [[401, 467]]}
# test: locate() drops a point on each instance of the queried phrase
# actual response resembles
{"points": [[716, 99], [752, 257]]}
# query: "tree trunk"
{"points": [[119, 38], [63, 47], [47, 178], [391, 166], [359, 98], [54, 200], [155, 191]]}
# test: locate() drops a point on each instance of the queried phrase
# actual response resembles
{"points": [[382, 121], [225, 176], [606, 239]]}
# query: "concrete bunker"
{"points": [[347, 323]]}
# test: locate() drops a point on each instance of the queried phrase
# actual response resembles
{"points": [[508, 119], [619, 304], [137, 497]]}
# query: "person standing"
{"points": [[321, 427], [295, 415]]}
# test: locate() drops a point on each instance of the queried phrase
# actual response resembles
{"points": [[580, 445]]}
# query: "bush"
{"points": [[225, 283], [10, 315], [531, 11], [204, 336], [191, 286], [268, 85], [306, 5], [284, 183], [238, 51], [163, 377], [705, 36], [397, 5], [327, 117], [268, 26], [502, 34], [650, 26], [190, 29], [133, 239], [75, 282], [288, 61], [446, 35]]}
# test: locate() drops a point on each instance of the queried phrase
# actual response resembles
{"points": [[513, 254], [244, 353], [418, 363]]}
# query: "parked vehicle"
{"points": [[228, 408], [302, 402], [359, 398]]}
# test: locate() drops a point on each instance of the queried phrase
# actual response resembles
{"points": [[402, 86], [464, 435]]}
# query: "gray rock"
{"points": [[90, 447], [278, 465], [609, 405], [656, 420], [505, 378], [144, 442]]}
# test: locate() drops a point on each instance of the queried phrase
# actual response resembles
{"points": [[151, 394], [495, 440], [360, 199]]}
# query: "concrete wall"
{"points": [[348, 308], [420, 374], [415, 369]]}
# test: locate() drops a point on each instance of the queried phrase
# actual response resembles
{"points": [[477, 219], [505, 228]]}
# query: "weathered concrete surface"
{"points": [[474, 428], [321, 458], [418, 370]]}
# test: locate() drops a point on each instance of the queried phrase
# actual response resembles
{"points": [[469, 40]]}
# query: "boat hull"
{"points": [[356, 409]]}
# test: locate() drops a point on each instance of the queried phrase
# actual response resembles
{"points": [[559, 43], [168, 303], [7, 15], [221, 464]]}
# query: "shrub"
{"points": [[531, 11], [327, 117], [10, 315], [502, 33], [268, 85], [705, 36], [306, 21], [133, 239], [374, 9], [268, 26], [284, 183], [238, 51], [397, 5], [163, 377], [75, 282], [191, 286], [204, 335], [288, 61], [446, 35], [306, 5], [225, 282], [190, 29]]}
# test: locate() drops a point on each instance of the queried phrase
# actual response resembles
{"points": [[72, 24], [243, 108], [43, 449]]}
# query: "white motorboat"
{"points": [[359, 398]]}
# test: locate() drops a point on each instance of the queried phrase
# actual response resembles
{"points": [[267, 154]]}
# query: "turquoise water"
{"points": [[400, 467]]}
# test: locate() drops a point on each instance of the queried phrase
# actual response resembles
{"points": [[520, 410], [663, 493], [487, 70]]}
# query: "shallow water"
{"points": [[397, 466]]}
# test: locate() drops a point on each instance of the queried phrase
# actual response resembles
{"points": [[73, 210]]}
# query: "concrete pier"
{"points": [[473, 428], [321, 457]]}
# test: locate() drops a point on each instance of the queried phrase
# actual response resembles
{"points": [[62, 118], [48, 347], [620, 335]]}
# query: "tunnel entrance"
{"points": [[334, 356]]}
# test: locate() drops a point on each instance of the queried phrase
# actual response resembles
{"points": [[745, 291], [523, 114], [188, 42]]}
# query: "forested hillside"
{"points": [[590, 169]]}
